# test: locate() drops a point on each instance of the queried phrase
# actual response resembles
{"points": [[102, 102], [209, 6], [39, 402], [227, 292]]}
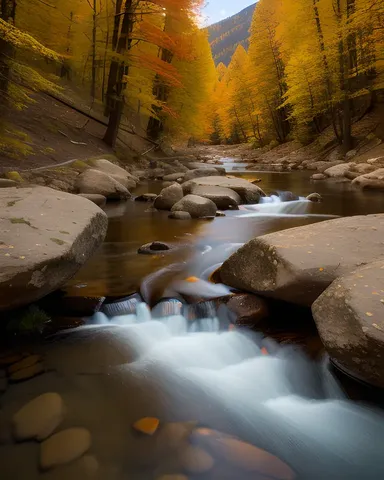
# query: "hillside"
{"points": [[226, 35]]}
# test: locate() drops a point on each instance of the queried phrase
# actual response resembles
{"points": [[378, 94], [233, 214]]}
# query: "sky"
{"points": [[217, 10]]}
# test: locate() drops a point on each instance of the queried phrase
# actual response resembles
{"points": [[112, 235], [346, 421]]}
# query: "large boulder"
{"points": [[377, 162], [197, 207], [173, 177], [248, 192], [196, 165], [200, 172], [94, 181], [168, 197], [46, 237], [223, 198], [298, 264], [373, 180], [350, 320], [359, 169], [338, 170], [116, 172]]}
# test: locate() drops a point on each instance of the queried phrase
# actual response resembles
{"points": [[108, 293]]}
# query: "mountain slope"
{"points": [[226, 35]]}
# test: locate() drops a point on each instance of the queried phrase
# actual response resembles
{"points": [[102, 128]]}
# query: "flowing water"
{"points": [[120, 368]]}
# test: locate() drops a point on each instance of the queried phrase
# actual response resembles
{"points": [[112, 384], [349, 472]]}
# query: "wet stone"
{"points": [[25, 363], [153, 248], [196, 460], [64, 447], [27, 373], [38, 418]]}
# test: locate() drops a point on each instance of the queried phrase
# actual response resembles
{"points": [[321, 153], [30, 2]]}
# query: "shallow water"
{"points": [[117, 269]]}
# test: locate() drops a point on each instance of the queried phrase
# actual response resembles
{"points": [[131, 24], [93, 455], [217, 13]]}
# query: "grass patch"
{"points": [[79, 165], [48, 150], [57, 241]]}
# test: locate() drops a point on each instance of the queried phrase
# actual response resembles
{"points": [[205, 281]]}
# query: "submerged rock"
{"points": [[146, 197], [47, 236], [180, 216], [97, 199], [153, 248], [349, 317], [315, 198], [168, 197], [197, 207], [248, 192], [64, 447], [249, 309], [39, 418], [96, 182], [298, 264]]}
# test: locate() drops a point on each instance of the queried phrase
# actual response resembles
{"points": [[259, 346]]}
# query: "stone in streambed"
{"points": [[319, 176], [249, 309], [97, 199], [298, 264], [223, 198], [374, 180], [146, 197], [27, 373], [180, 216], [38, 418], [64, 447], [349, 318], [196, 460], [25, 363], [197, 207], [338, 170], [168, 197], [315, 198], [243, 455], [44, 247], [173, 177], [153, 248], [200, 172]]}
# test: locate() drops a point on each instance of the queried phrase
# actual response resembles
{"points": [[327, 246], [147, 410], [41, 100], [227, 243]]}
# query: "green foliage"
{"points": [[15, 176], [79, 165], [28, 321]]}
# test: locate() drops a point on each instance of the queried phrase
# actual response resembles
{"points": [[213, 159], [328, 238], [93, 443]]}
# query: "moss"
{"points": [[20, 220], [48, 150], [15, 176], [58, 241], [79, 165]]}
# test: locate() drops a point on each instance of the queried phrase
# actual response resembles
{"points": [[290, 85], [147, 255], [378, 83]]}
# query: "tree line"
{"points": [[146, 61], [310, 64]]}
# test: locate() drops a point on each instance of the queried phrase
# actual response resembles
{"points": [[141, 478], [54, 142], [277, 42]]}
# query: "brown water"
{"points": [[117, 269]]}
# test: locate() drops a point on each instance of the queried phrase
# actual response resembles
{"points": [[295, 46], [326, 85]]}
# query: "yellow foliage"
{"points": [[15, 176]]}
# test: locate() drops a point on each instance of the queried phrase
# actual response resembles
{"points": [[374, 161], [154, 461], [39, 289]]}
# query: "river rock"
{"points": [[197, 207], [373, 180], [249, 309], [27, 373], [315, 197], [97, 199], [64, 447], [7, 183], [298, 264], [146, 197], [27, 362], [47, 236], [200, 172], [197, 166], [325, 165], [286, 196], [94, 181], [242, 455], [127, 182], [338, 170], [248, 192], [153, 248], [319, 176], [224, 198], [114, 171], [38, 418], [168, 197], [173, 177], [377, 162], [349, 317], [180, 216], [196, 460]]}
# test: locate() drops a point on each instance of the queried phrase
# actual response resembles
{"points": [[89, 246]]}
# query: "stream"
{"points": [[314, 423]]}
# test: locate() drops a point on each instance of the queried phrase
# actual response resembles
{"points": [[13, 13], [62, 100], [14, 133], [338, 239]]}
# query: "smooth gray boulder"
{"points": [[94, 181], [173, 177], [168, 197], [223, 198], [319, 176], [373, 180], [298, 264], [180, 216], [197, 165], [339, 170], [350, 320], [200, 172], [115, 172], [97, 199], [248, 192], [197, 207], [47, 236]]}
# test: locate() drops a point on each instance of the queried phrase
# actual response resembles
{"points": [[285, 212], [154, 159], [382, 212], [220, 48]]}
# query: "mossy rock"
{"points": [[79, 165], [15, 176]]}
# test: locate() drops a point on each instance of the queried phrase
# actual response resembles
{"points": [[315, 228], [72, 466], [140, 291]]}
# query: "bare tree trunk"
{"points": [[93, 80]]}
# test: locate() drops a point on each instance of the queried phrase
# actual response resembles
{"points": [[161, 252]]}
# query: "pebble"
{"points": [[147, 425], [27, 373], [196, 460], [64, 447], [38, 418], [25, 363], [243, 455]]}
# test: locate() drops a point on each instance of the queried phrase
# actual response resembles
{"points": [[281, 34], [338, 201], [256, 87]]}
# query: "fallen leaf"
{"points": [[192, 279], [321, 269], [147, 425]]}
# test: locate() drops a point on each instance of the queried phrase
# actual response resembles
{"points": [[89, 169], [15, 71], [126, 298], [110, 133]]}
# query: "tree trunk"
{"points": [[93, 81]]}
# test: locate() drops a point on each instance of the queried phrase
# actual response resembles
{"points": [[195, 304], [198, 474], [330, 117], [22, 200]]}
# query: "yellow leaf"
{"points": [[147, 425]]}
